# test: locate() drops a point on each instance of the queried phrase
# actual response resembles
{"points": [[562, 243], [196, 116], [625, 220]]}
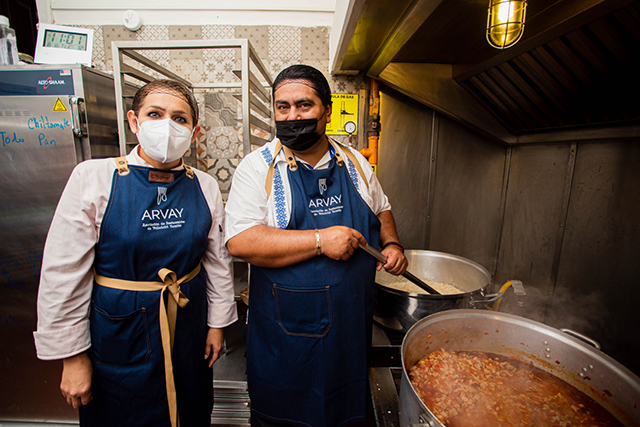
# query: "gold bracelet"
{"points": [[318, 246]]}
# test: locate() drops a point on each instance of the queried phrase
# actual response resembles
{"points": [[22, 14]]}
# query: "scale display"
{"points": [[58, 44]]}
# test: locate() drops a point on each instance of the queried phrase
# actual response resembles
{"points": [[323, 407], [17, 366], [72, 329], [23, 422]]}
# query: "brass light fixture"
{"points": [[505, 23]]}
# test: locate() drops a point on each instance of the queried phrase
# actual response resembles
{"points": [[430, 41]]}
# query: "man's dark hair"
{"points": [[305, 74]]}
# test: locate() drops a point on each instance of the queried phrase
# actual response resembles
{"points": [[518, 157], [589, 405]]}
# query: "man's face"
{"points": [[297, 101]]}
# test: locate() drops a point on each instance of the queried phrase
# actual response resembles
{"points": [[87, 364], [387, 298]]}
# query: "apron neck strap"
{"points": [[339, 159], [291, 161], [122, 165], [189, 171], [293, 165], [271, 170]]}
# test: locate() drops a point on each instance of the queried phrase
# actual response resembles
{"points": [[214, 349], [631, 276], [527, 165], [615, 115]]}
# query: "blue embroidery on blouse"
{"points": [[353, 173], [278, 192]]}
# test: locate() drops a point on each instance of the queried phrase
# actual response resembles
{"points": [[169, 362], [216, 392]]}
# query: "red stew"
{"points": [[481, 389]]}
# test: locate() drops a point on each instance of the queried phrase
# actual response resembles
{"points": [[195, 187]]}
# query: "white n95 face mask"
{"points": [[163, 140]]}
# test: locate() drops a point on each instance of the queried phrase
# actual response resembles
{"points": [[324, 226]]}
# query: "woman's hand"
{"points": [[76, 380], [215, 343]]}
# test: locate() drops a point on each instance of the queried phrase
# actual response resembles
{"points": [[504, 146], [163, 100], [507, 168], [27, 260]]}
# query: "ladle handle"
{"points": [[420, 283], [374, 253], [378, 255]]}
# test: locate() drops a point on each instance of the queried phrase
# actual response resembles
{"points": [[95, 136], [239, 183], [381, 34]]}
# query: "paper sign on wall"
{"points": [[344, 115]]}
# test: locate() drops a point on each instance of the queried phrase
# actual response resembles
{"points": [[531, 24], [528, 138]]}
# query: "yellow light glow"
{"points": [[505, 23], [505, 13]]}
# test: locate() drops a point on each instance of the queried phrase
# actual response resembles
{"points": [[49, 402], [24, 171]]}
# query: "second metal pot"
{"points": [[399, 310], [592, 372]]}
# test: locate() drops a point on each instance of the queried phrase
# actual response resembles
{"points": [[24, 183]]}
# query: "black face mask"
{"points": [[298, 135]]}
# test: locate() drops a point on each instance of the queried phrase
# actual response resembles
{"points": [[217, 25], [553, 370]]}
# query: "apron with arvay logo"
{"points": [[154, 220], [310, 323]]}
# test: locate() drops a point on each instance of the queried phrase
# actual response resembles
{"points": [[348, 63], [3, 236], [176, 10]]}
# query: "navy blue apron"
{"points": [[148, 226], [310, 323]]}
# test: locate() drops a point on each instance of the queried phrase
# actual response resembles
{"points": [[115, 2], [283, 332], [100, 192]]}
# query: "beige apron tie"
{"points": [[168, 317]]}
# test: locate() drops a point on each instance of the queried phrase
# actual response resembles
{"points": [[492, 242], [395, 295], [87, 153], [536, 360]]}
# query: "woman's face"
{"points": [[161, 105]]}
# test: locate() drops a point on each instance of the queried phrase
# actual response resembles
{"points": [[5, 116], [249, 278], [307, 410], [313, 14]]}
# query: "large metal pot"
{"points": [[399, 310], [589, 370]]}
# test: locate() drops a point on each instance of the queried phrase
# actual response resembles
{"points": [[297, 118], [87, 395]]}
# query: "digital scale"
{"points": [[58, 44]]}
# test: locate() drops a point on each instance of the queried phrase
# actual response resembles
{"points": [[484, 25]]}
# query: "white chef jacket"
{"points": [[66, 281], [248, 206]]}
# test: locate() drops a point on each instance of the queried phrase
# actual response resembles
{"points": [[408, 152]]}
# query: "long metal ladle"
{"points": [[378, 255]]}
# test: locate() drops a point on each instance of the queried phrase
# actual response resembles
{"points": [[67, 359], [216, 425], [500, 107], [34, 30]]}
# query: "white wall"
{"points": [[299, 13]]}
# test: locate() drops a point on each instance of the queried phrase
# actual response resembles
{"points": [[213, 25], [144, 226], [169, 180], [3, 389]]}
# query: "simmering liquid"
{"points": [[482, 389]]}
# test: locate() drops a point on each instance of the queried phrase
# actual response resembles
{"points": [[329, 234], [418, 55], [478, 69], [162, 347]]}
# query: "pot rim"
{"points": [[398, 292]]}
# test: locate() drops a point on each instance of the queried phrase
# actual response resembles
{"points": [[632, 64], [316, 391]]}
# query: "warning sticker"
{"points": [[59, 107], [344, 115]]}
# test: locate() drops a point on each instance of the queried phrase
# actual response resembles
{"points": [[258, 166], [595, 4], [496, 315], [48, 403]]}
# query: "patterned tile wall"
{"points": [[219, 147]]}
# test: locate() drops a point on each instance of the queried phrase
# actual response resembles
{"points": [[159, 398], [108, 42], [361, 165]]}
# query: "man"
{"points": [[298, 210]]}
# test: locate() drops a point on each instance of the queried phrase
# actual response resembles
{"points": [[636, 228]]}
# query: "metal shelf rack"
{"points": [[256, 90]]}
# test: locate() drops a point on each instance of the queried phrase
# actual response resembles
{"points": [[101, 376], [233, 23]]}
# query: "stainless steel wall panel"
{"points": [[561, 217], [468, 187], [403, 164], [599, 270], [533, 215]]}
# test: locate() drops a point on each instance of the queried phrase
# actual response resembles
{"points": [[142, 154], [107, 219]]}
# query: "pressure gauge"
{"points": [[349, 127]]}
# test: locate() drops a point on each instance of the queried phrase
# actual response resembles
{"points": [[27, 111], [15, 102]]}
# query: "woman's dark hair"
{"points": [[310, 76], [171, 87]]}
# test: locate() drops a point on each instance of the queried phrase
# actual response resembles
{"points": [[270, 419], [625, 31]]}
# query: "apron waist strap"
{"points": [[167, 316]]}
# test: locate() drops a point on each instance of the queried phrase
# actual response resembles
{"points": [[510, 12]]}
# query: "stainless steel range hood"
{"points": [[569, 78]]}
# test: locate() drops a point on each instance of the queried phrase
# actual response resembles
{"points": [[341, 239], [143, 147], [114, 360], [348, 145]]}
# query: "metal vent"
{"points": [[585, 77]]}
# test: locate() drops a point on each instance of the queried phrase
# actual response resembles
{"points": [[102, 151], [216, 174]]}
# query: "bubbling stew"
{"points": [[482, 389]]}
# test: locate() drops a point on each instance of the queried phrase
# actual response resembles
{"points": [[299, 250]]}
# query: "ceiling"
{"points": [[569, 77]]}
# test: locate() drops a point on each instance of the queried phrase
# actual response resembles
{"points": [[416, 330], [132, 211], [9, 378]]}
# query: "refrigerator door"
{"points": [[38, 152]]}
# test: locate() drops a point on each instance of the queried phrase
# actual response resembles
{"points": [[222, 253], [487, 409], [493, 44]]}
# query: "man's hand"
{"points": [[396, 261], [340, 242], [215, 343], [76, 380]]}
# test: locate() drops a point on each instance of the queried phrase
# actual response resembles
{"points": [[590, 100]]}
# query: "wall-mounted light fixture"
{"points": [[505, 23]]}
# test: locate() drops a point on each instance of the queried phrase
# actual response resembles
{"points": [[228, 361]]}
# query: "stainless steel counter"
{"points": [[231, 405], [384, 377]]}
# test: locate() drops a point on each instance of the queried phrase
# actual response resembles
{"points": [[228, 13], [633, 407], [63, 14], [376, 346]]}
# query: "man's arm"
{"points": [[396, 261], [266, 246]]}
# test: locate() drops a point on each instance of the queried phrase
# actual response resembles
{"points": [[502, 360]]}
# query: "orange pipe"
{"points": [[371, 153]]}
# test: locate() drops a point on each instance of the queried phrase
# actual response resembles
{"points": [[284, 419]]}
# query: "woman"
{"points": [[136, 279]]}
